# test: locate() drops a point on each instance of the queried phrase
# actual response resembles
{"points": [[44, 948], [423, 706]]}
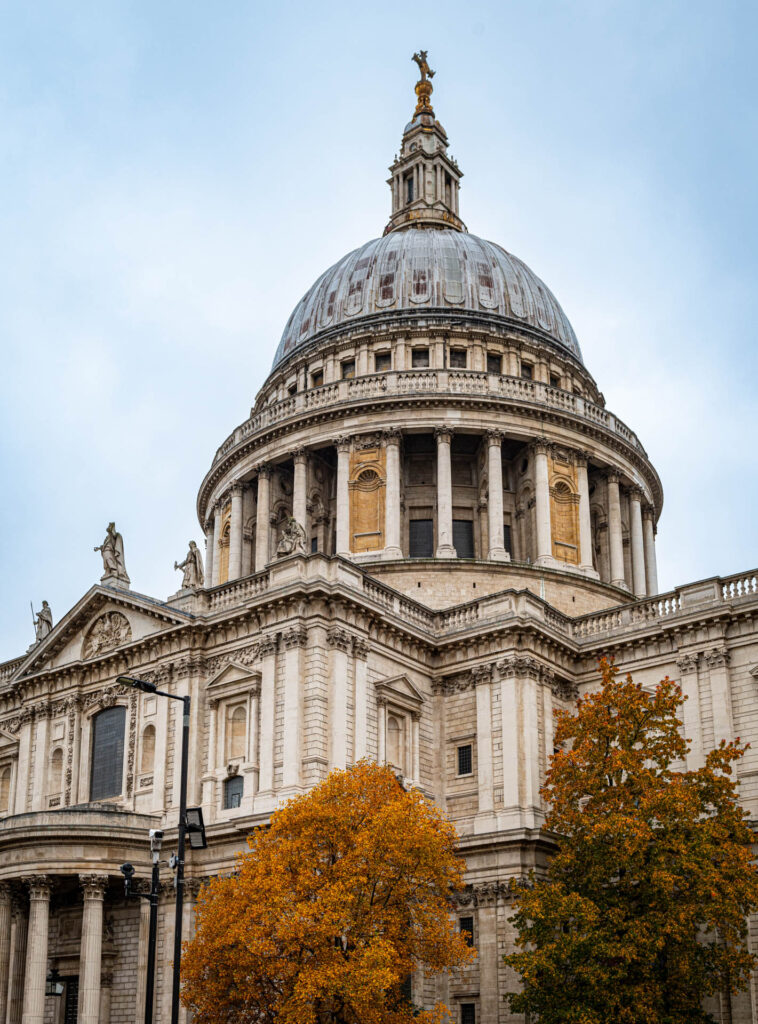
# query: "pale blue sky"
{"points": [[173, 176]]}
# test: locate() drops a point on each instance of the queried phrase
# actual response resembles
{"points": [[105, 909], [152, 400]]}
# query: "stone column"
{"points": [[392, 547], [36, 945], [339, 642], [262, 518], [585, 518], [5, 946], [210, 550], [519, 708], [295, 640], [648, 533], [687, 664], [360, 718], [18, 963], [267, 649], [343, 497], [487, 948], [445, 547], [542, 502], [717, 660], [497, 552], [247, 540], [90, 956], [142, 943], [235, 534], [638, 549], [299, 491], [217, 512], [615, 540], [482, 675]]}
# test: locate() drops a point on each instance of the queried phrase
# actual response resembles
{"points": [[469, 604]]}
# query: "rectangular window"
{"points": [[420, 357], [420, 538], [106, 775], [348, 369], [409, 188], [292, 389], [317, 378], [468, 1013], [458, 358], [555, 381], [463, 538], [233, 789], [314, 545], [466, 928], [507, 541], [382, 361], [494, 362], [465, 761], [527, 371]]}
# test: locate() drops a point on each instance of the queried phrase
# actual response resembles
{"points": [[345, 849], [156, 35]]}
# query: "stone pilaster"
{"points": [[717, 660], [262, 518], [90, 957], [496, 550], [268, 650], [360, 718], [392, 547], [482, 675], [688, 680], [339, 641], [445, 548], [294, 641], [544, 555], [343, 497], [40, 887]]}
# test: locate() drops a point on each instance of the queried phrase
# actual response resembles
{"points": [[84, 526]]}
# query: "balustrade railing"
{"points": [[410, 382]]}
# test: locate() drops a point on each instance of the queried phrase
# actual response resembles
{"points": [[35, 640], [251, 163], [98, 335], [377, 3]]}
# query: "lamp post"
{"points": [[197, 826], [127, 870]]}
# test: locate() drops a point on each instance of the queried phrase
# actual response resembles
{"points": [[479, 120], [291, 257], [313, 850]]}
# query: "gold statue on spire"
{"points": [[424, 85]]}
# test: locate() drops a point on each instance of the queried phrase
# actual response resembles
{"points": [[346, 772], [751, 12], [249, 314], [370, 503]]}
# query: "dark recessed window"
{"points": [[466, 928], [494, 363], [233, 789], [292, 389], [555, 382], [107, 754], [420, 538], [420, 357], [458, 358], [463, 538], [348, 369], [507, 540], [409, 188], [382, 361], [468, 1013], [314, 545], [317, 378], [465, 761], [527, 371]]}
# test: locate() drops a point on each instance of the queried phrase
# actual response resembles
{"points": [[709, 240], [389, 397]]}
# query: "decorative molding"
{"points": [[268, 646], [392, 436], [636, 494], [105, 698], [519, 665], [339, 638], [343, 444], [107, 632], [481, 674], [688, 662], [494, 437], [717, 657], [264, 470], [40, 886], [132, 744], [361, 648], [295, 637], [443, 434], [93, 886]]}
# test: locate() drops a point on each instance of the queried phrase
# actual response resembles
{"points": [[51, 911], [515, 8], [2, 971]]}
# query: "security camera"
{"points": [[156, 835]]}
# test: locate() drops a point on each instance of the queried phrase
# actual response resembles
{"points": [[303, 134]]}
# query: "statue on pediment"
{"points": [[43, 622], [193, 568], [112, 550], [292, 540]]}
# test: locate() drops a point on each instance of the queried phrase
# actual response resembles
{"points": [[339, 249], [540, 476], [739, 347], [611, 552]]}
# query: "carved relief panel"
{"points": [[367, 498]]}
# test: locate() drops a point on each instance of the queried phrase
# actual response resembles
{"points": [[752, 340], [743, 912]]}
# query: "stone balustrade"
{"points": [[443, 383]]}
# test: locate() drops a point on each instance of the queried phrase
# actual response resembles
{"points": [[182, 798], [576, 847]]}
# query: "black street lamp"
{"points": [[195, 827], [127, 870]]}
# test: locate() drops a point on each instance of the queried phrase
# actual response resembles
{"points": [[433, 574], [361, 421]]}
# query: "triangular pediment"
{"points": [[105, 619], [230, 679], [8, 742], [401, 690]]}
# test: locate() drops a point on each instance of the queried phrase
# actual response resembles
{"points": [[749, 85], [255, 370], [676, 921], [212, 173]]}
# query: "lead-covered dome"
{"points": [[433, 270]]}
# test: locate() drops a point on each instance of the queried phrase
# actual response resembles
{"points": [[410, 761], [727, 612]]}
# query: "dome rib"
{"points": [[435, 268]]}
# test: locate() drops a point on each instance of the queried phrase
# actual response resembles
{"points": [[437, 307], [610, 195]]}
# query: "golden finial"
{"points": [[424, 85]]}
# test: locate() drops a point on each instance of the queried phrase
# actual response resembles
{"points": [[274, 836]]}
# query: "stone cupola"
{"points": [[425, 180]]}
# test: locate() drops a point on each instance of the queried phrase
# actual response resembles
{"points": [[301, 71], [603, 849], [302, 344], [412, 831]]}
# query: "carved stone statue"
{"points": [[193, 568], [107, 632], [43, 622], [293, 539], [423, 65], [112, 550]]}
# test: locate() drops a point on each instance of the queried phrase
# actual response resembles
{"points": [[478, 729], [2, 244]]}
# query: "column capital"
{"points": [[717, 657], [93, 886], [360, 648], [339, 638], [343, 444], [494, 438], [218, 507], [300, 455], [636, 494], [540, 446], [443, 434], [39, 886], [264, 470], [236, 489], [687, 663], [581, 457], [611, 476], [392, 436], [648, 512], [6, 891]]}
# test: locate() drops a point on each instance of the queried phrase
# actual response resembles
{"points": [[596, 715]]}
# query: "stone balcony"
{"points": [[447, 385]]}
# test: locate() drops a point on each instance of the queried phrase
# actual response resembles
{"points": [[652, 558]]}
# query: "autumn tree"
{"points": [[334, 906], [642, 913]]}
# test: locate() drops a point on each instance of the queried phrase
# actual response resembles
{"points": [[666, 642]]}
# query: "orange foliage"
{"points": [[643, 910], [336, 903]]}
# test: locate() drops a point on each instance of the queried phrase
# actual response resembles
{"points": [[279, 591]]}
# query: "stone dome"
{"points": [[435, 270]]}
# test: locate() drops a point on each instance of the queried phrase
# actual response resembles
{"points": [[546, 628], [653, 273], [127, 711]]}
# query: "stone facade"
{"points": [[474, 529]]}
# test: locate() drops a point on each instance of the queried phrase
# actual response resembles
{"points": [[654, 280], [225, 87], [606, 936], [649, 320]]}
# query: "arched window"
{"points": [[107, 765], [236, 732], [394, 742], [55, 773], [5, 789], [147, 756]]}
